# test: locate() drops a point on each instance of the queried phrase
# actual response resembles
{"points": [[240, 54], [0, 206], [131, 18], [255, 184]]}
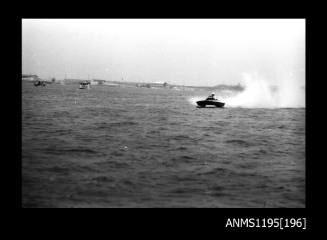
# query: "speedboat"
{"points": [[213, 102]]}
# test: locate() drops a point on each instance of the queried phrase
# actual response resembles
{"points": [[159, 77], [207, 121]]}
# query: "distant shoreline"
{"points": [[236, 87]]}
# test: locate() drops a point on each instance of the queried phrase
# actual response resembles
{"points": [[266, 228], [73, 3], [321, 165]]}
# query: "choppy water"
{"points": [[137, 147]]}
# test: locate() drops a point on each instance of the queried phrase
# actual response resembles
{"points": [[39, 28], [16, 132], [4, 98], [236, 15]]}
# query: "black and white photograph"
{"points": [[163, 113]]}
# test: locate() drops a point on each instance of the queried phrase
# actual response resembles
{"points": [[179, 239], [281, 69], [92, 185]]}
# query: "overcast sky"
{"points": [[203, 52]]}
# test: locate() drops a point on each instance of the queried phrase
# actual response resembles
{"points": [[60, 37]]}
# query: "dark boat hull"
{"points": [[204, 103]]}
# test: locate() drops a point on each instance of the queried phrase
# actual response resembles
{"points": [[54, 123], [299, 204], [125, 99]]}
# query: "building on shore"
{"points": [[97, 82], [30, 77], [153, 85]]}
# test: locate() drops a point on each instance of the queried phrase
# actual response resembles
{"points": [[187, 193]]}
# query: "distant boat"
{"points": [[39, 83], [84, 85]]}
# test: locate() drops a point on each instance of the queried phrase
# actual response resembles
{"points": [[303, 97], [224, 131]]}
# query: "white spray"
{"points": [[258, 93]]}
